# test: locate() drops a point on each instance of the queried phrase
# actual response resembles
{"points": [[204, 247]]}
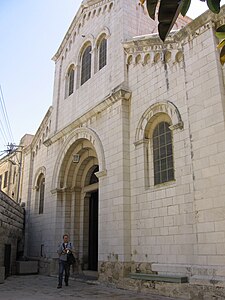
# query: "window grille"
{"points": [[163, 154], [41, 195], [102, 53], [70, 81], [86, 65]]}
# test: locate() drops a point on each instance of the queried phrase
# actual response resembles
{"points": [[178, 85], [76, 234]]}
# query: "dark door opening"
{"points": [[93, 232], [7, 259]]}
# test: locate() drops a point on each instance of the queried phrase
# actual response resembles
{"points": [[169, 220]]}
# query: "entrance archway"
{"points": [[77, 201]]}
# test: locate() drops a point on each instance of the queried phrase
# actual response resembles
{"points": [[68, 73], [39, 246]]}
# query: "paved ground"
{"points": [[37, 287]]}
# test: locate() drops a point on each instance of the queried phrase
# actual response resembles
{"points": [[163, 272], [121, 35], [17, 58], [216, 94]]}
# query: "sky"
{"points": [[30, 34]]}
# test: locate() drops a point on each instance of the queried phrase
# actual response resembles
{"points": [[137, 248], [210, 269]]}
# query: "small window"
{"points": [[41, 194], [163, 154], [102, 53], [5, 179], [70, 81], [86, 65]]}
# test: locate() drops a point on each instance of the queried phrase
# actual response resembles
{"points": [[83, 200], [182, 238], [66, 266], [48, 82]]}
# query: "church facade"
{"points": [[130, 158]]}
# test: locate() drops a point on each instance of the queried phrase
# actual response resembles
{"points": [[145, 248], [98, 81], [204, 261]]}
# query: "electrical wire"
{"points": [[7, 127]]}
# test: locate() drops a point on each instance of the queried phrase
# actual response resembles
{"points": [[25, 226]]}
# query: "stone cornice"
{"points": [[176, 39], [85, 7], [116, 95], [200, 24], [41, 127]]}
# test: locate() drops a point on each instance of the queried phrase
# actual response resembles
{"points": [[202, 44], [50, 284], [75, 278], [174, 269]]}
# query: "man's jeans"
{"points": [[63, 266]]}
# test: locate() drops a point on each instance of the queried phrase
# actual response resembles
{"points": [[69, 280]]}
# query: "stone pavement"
{"points": [[37, 287]]}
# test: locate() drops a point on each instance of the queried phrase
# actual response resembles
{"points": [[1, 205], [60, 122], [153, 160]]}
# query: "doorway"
{"points": [[93, 232], [7, 260]]}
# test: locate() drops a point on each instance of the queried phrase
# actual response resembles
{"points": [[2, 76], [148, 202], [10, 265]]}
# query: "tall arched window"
{"points": [[163, 153], [41, 189], [70, 81], [86, 65], [102, 53]]}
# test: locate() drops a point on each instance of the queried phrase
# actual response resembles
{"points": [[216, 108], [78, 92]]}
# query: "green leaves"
{"points": [[168, 13], [185, 7], [151, 8], [220, 33], [214, 5]]}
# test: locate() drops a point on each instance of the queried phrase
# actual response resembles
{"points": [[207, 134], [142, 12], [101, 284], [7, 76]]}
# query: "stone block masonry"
{"points": [[11, 233]]}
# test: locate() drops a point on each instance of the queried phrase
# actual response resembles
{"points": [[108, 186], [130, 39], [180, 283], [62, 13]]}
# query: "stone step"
{"points": [[156, 277], [217, 281], [27, 267], [188, 270]]}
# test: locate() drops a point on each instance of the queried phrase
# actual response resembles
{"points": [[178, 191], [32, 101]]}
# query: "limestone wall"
{"points": [[182, 221], [11, 229]]}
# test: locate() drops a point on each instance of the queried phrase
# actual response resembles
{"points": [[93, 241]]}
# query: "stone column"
{"points": [[114, 193]]}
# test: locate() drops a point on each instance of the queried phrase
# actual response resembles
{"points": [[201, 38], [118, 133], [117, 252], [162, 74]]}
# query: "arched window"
{"points": [[86, 65], [102, 53], [41, 190], [70, 81], [162, 153]]}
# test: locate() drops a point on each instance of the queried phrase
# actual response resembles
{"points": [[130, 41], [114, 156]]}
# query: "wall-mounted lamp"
{"points": [[76, 158]]}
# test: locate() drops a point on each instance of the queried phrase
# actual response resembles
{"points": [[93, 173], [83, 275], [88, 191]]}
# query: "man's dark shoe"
{"points": [[66, 283], [59, 286]]}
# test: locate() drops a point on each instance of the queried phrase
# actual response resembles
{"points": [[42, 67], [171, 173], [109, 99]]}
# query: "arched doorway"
{"points": [[77, 200]]}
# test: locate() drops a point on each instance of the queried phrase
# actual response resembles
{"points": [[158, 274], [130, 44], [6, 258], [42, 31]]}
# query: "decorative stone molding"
{"points": [[160, 107], [56, 191], [140, 142], [105, 30], [152, 44], [62, 190], [116, 94], [42, 129], [79, 133], [101, 174], [41, 170], [179, 125], [87, 11]]}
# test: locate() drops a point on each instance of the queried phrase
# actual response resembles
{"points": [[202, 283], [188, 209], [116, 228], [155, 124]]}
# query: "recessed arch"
{"points": [[73, 139], [149, 115], [41, 170], [69, 80], [87, 40], [105, 32]]}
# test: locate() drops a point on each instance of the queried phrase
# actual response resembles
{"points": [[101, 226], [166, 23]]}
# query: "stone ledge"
{"points": [[156, 277], [217, 281], [26, 267], [188, 270]]}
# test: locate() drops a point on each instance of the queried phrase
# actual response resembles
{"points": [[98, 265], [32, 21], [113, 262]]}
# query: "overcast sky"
{"points": [[31, 32]]}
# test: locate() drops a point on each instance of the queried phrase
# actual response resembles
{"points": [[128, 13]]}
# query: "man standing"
{"points": [[64, 248]]}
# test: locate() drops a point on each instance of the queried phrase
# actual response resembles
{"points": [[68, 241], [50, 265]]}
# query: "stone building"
{"points": [[130, 158], [11, 169], [12, 217], [11, 235]]}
